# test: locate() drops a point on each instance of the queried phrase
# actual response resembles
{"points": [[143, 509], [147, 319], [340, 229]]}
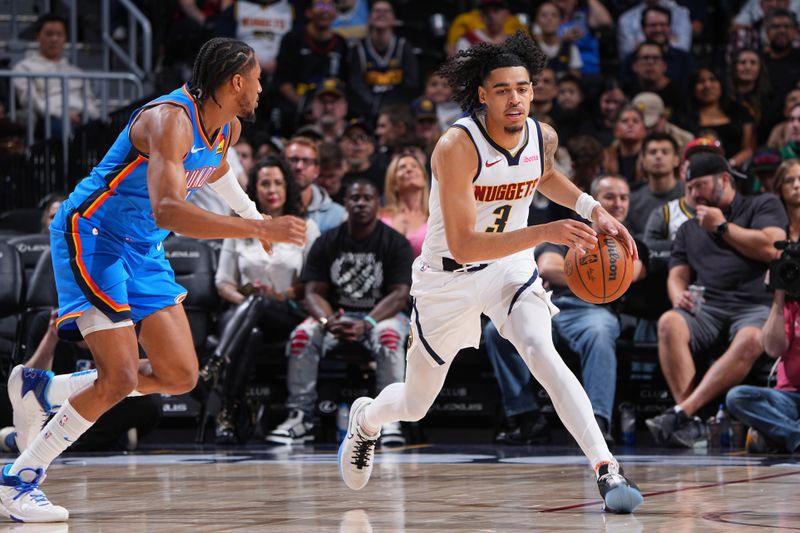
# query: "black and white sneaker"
{"points": [[357, 450], [620, 494], [664, 425], [692, 434], [296, 429], [392, 435]]}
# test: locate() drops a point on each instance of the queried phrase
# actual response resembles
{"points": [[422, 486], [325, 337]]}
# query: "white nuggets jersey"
{"points": [[503, 185], [675, 214]]}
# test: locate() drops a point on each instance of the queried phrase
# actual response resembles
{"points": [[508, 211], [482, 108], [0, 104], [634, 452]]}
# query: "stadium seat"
{"points": [[30, 247], [23, 220], [40, 294], [12, 285]]}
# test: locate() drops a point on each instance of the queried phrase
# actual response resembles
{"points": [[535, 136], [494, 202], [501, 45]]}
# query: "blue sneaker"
{"points": [[23, 501], [620, 495], [27, 390], [357, 451]]}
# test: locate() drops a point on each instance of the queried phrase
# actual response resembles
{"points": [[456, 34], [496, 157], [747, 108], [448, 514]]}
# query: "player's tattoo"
{"points": [[550, 140]]}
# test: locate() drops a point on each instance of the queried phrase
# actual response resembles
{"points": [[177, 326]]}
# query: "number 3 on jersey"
{"points": [[500, 222]]}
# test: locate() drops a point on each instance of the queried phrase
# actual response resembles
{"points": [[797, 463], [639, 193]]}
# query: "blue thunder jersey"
{"points": [[115, 198]]}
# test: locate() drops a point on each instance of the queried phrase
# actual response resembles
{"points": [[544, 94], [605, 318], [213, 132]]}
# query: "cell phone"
{"points": [[247, 289]]}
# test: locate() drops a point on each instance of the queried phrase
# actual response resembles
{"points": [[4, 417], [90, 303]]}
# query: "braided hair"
{"points": [[467, 70], [216, 62]]}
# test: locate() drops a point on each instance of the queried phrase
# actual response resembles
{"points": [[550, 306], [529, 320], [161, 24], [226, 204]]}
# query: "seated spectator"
{"points": [[748, 83], [713, 110], [426, 123], [264, 288], [630, 27], [762, 168], [307, 56], [562, 55], [302, 154], [659, 161], [117, 430], [781, 59], [358, 146], [331, 170], [473, 20], [383, 67], [244, 151], [544, 96], [494, 14], [329, 109], [589, 330], [579, 22], [407, 194], [440, 93], [352, 17], [603, 117], [622, 156], [262, 25], [749, 28], [779, 135], [358, 278], [570, 113], [395, 125], [651, 75], [725, 249], [774, 414], [656, 118], [656, 22], [46, 94], [50, 205], [792, 147]]}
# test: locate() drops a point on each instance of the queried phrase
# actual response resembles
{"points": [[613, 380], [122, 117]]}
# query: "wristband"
{"points": [[371, 321], [585, 205]]}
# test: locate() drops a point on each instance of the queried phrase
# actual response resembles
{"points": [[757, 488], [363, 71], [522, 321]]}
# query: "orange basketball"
{"points": [[603, 274]]}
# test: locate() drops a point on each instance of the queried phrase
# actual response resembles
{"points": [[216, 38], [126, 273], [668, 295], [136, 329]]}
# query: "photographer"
{"points": [[774, 414]]}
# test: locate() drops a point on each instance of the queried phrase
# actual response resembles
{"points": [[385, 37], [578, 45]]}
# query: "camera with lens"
{"points": [[784, 272]]}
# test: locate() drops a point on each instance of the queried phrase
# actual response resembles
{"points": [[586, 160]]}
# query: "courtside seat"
{"points": [[12, 285], [40, 295], [30, 247], [22, 220], [193, 263]]}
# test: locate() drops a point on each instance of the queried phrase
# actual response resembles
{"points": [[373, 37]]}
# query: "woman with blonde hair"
{"points": [[406, 192]]}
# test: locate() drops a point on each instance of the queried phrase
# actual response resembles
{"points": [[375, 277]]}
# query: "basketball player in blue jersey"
{"points": [[477, 258], [115, 286]]}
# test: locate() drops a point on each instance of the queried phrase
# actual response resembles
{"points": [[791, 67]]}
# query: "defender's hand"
{"points": [[286, 229], [574, 234], [610, 225]]}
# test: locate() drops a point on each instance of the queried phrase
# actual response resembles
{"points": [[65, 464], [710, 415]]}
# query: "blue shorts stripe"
{"points": [[522, 289], [427, 346]]}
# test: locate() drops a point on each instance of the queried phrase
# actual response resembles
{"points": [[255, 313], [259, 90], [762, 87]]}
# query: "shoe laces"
{"points": [[361, 450], [32, 490]]}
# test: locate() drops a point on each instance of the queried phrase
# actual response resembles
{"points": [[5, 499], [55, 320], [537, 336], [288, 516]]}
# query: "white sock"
{"points": [[64, 386], [57, 435]]}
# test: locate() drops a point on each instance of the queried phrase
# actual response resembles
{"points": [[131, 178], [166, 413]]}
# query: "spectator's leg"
{"points": [[387, 345], [592, 332], [727, 371], [513, 377], [674, 354], [774, 413], [305, 348]]}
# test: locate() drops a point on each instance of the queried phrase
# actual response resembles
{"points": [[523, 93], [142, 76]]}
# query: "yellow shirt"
{"points": [[471, 20]]}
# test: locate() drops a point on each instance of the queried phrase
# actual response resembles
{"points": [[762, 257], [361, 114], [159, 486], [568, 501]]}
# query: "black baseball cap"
{"points": [[707, 164], [357, 122]]}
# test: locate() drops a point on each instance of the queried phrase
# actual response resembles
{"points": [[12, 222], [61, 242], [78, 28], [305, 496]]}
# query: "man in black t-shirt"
{"points": [[357, 278], [725, 249]]}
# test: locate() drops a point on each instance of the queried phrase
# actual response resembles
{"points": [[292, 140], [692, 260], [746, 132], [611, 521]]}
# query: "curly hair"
{"points": [[469, 68], [293, 205]]}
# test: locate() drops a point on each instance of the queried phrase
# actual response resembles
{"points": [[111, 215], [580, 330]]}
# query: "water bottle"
{"points": [[627, 423], [342, 420], [713, 432], [724, 421]]}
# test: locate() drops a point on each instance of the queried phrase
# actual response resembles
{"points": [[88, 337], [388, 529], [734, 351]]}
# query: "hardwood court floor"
{"points": [[425, 489]]}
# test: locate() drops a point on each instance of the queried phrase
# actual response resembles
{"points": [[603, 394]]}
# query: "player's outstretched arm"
{"points": [[455, 163], [165, 133]]}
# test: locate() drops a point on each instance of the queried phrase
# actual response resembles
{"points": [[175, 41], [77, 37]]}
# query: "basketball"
{"points": [[603, 274]]}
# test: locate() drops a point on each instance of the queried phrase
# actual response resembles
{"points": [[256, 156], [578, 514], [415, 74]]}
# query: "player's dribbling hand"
{"points": [[611, 226], [288, 229], [572, 233]]}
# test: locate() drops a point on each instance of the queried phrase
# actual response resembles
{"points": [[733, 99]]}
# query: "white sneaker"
{"points": [[294, 430], [357, 451], [8, 440], [392, 435], [24, 502], [27, 390]]}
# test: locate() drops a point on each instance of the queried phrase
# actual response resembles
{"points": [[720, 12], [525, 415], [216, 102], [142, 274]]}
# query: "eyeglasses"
{"points": [[356, 138], [307, 161], [649, 59]]}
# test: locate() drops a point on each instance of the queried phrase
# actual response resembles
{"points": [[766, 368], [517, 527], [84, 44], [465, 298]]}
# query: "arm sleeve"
{"points": [[228, 269]]}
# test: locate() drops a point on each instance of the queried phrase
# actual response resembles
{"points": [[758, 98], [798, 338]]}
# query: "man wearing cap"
{"points": [[329, 109], [383, 67], [427, 122], [655, 118], [358, 147], [726, 249]]}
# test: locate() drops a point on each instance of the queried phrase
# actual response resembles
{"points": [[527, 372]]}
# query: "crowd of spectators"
{"points": [[676, 115]]}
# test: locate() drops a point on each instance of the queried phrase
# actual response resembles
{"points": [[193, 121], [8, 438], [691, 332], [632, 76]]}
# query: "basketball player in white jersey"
{"points": [[478, 258]]}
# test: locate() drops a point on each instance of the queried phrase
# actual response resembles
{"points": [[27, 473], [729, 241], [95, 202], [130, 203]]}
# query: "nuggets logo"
{"points": [[506, 191], [220, 147]]}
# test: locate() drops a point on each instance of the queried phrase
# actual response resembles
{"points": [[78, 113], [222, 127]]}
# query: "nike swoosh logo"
{"points": [[195, 150], [493, 163]]}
